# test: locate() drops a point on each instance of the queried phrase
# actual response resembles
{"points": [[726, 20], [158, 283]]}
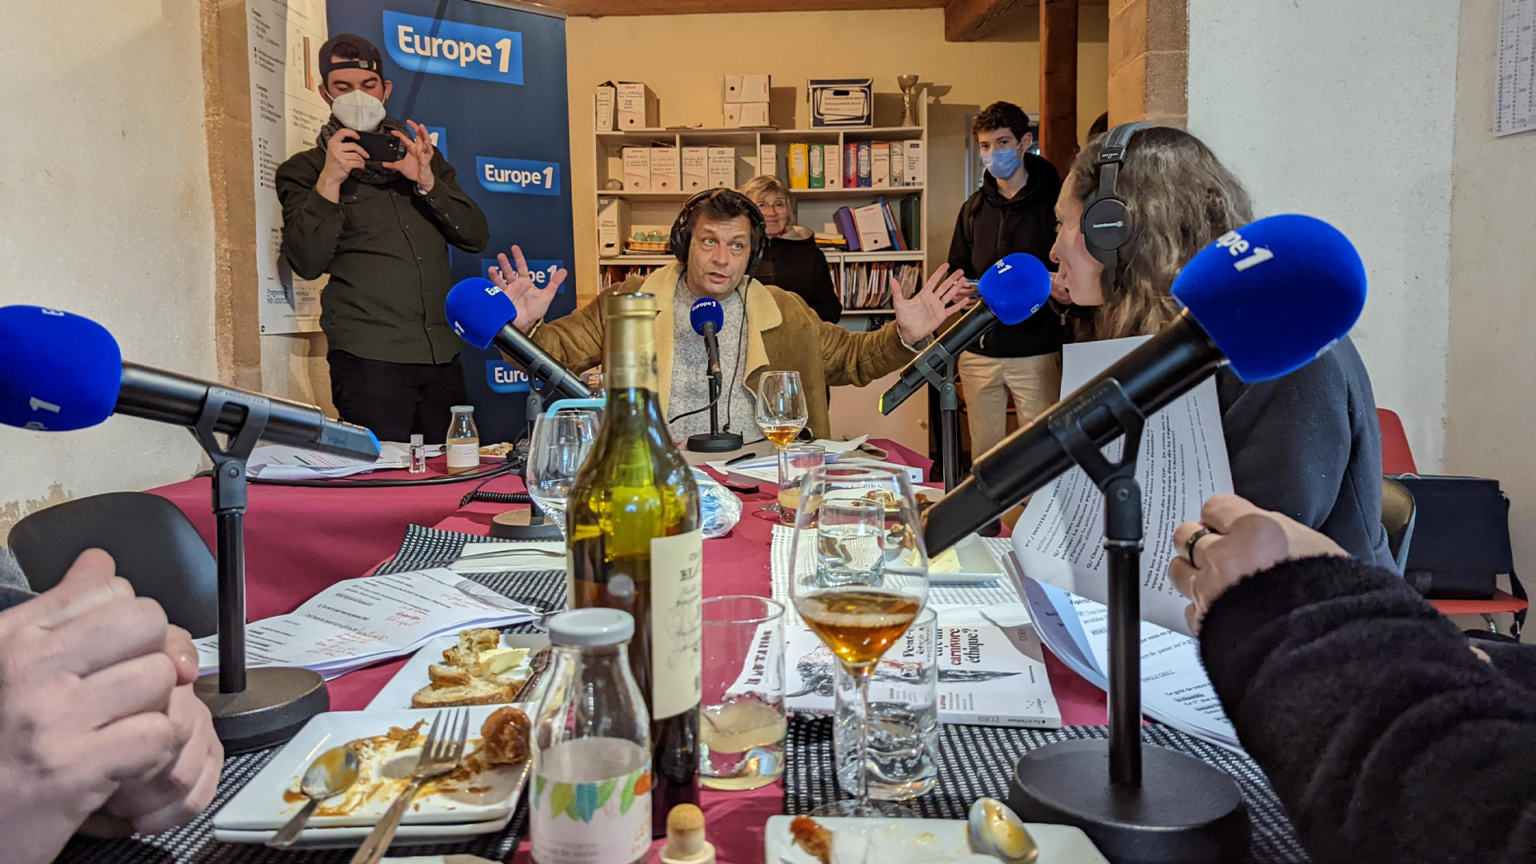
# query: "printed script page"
{"points": [[1183, 461]]}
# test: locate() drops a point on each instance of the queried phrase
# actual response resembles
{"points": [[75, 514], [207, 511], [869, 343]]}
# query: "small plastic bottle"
{"points": [[591, 789], [418, 455], [463, 440]]}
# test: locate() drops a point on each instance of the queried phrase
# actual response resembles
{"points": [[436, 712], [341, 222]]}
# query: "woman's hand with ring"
{"points": [[1239, 539]]}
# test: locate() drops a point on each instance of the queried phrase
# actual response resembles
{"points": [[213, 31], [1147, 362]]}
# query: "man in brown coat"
{"points": [[765, 328]]}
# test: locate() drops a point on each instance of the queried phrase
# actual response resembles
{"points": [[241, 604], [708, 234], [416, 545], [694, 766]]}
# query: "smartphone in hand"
{"points": [[381, 146]]}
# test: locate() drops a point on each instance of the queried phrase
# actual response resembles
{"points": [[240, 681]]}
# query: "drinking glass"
{"points": [[795, 464], [901, 753], [559, 445], [781, 414], [866, 583], [742, 724]]}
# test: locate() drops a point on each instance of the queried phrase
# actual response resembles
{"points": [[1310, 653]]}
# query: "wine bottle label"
{"points": [[463, 455], [600, 822], [677, 623]]}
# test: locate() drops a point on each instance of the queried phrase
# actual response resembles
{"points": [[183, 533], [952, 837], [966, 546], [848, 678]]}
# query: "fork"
{"points": [[439, 755], [504, 552]]}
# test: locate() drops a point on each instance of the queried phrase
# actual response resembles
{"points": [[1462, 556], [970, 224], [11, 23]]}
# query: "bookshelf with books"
{"points": [[656, 170]]}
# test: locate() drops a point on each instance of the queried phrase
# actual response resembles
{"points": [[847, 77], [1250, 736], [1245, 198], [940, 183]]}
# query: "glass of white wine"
{"points": [[860, 580], [781, 414], [556, 450]]}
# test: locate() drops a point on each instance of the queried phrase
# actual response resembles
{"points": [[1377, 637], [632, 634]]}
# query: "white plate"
{"points": [[977, 565], [919, 841], [346, 838], [396, 695], [260, 805]]}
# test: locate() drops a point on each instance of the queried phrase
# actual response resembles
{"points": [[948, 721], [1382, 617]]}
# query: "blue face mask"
{"points": [[1002, 164]]}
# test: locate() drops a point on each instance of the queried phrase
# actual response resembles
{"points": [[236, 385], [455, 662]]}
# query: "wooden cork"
{"points": [[685, 838]]}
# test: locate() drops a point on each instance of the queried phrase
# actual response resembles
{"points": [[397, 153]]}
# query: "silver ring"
{"points": [[1189, 545]]}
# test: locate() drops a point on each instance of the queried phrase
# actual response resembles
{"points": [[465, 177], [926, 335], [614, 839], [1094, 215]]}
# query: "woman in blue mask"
{"points": [[1011, 212]]}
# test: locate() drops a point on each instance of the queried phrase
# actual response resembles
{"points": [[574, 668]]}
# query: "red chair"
{"points": [[1397, 458]]}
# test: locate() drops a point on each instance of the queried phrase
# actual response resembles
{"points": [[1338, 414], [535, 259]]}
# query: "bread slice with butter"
{"points": [[476, 671]]}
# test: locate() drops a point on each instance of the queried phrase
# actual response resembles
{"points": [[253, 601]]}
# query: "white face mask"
{"points": [[358, 110]]}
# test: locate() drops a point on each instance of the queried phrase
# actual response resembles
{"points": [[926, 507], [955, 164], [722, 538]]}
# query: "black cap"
{"points": [[368, 57]]}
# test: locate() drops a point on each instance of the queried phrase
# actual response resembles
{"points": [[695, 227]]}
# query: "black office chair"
{"points": [[1398, 514], [156, 549]]}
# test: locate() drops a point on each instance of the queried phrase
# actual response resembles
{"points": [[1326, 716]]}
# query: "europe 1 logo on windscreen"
{"points": [[440, 47], [541, 270], [503, 377], [518, 176]]}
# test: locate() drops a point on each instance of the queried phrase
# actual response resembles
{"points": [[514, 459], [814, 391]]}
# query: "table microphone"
{"points": [[1266, 299], [1011, 290], [707, 317], [60, 371], [482, 315]]}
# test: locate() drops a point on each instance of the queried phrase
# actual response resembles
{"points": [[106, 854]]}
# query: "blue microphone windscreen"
{"points": [[1015, 287], [58, 371], [477, 310], [1275, 294], [706, 310]]}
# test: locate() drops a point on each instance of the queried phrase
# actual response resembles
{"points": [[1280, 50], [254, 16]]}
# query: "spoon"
{"points": [[996, 830], [330, 774]]}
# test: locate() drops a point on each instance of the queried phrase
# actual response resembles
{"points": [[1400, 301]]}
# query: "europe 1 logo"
{"points": [[540, 270], [441, 47]]}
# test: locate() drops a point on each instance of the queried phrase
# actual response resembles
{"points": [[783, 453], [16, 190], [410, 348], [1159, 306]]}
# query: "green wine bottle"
{"points": [[636, 544]]}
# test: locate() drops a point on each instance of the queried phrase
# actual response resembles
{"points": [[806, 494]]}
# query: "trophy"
{"points": [[908, 99]]}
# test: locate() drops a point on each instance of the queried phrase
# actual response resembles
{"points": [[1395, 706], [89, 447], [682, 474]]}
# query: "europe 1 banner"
{"points": [[488, 82]]}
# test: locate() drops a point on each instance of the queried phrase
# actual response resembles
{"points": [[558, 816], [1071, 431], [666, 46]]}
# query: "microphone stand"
{"points": [[532, 523], [252, 708], [714, 441], [942, 379], [1187, 811]]}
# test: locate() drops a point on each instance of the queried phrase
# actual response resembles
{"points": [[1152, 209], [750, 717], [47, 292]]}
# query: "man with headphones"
{"points": [[717, 239]]}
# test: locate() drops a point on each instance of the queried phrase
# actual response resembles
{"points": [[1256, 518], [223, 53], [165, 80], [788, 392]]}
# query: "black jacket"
{"points": [[386, 250], [1309, 445], [799, 267], [990, 227], [1385, 738]]}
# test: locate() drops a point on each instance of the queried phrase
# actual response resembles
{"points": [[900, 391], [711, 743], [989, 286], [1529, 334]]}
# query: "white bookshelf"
{"points": [[656, 211]]}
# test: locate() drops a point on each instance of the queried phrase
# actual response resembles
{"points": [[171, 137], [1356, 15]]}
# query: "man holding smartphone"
{"points": [[375, 205]]}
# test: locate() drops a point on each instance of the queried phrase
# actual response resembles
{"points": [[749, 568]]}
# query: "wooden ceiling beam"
{"points": [[607, 8], [969, 20]]}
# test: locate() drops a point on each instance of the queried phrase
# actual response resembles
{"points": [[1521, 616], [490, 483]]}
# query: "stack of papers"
{"points": [[359, 622], [281, 462], [766, 468], [1059, 543]]}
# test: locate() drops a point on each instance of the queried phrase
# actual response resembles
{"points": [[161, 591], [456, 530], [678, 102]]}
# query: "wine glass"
{"points": [[781, 414], [860, 579], [559, 445]]}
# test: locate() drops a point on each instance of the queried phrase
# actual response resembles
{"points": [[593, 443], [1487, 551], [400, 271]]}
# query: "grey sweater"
{"points": [[1308, 445]]}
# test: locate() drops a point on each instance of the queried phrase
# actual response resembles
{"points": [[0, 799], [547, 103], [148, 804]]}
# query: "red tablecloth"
{"points": [[299, 540]]}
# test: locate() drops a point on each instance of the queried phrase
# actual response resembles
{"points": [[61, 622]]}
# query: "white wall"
{"points": [[106, 213], [1341, 109], [1490, 410]]}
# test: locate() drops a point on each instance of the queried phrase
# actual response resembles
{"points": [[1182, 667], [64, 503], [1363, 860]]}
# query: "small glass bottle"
{"points": [[463, 440], [591, 801], [418, 455]]}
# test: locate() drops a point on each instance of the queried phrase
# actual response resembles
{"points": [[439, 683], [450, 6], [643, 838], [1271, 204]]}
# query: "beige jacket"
{"points": [[782, 334]]}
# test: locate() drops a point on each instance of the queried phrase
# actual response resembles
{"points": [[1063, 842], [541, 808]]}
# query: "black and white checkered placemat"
{"points": [[422, 548], [978, 760]]}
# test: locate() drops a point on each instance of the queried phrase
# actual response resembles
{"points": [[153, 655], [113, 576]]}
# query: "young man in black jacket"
{"points": [[381, 229], [1011, 212]]}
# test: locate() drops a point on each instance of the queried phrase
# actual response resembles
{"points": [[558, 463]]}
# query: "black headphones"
{"points": [[682, 229], [1106, 222]]}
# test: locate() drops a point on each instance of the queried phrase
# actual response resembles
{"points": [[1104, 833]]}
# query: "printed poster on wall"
{"points": [[489, 84], [286, 115]]}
